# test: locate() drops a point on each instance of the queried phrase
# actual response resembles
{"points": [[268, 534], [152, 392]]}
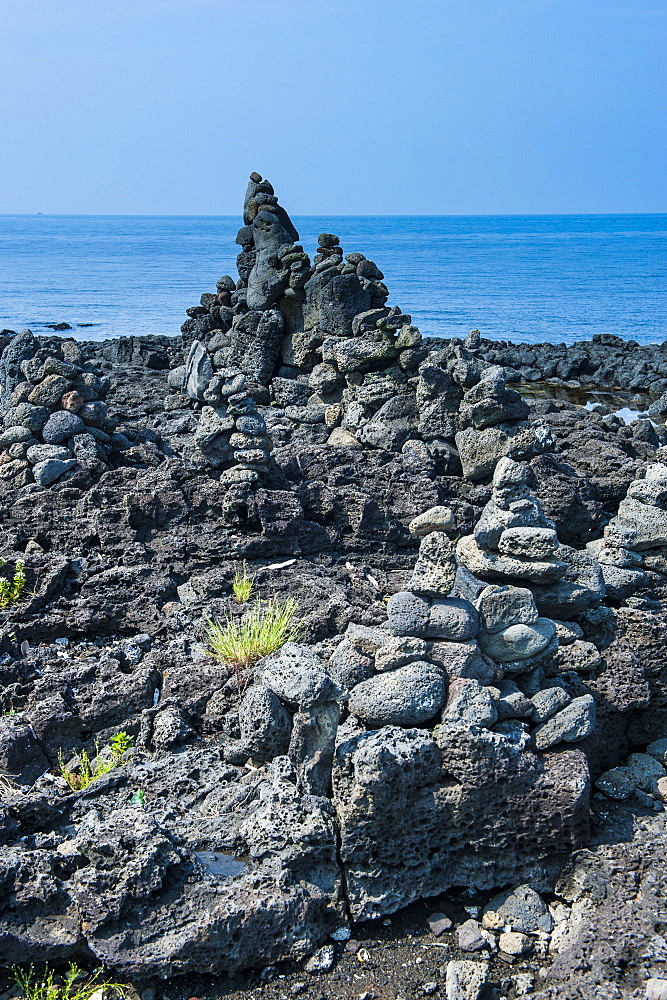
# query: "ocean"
{"points": [[556, 278]]}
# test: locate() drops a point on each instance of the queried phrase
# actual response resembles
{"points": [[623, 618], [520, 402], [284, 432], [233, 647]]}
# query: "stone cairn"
{"points": [[632, 553], [54, 416], [489, 662], [318, 343], [513, 541], [452, 699]]}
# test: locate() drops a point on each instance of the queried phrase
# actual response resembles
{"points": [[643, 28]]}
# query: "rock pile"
{"points": [[337, 365], [231, 433], [54, 416], [492, 422], [441, 703], [633, 550], [513, 541]]}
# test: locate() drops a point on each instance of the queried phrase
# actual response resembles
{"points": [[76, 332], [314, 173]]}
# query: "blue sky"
{"points": [[348, 106]]}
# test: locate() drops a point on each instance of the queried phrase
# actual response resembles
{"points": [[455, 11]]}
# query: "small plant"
{"points": [[243, 584], [11, 590], [104, 761], [265, 627], [46, 987]]}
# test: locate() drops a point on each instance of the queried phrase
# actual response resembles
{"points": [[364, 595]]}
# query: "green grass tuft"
{"points": [[46, 987], [265, 627], [89, 770], [243, 584], [12, 590]]}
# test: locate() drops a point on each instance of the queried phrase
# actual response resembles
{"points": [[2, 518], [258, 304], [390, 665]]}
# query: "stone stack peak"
{"points": [[633, 550]]}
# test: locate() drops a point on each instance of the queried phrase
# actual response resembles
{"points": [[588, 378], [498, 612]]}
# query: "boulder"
{"points": [[406, 696]]}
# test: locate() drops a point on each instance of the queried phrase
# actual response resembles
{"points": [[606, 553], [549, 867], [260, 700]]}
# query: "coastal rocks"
{"points": [[231, 433], [514, 541], [492, 426], [297, 676], [405, 696], [515, 797], [411, 614], [56, 424], [633, 549]]}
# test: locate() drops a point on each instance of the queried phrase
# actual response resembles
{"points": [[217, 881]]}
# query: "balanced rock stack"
{"points": [[633, 550], [492, 424], [231, 434], [337, 365], [513, 541], [54, 417]]}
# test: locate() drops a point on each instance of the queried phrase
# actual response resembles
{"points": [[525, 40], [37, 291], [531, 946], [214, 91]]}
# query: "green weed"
{"points": [[265, 627], [243, 584], [90, 769], [47, 987]]}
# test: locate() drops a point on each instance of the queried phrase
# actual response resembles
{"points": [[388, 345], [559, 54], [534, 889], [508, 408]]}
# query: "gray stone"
{"points": [[643, 769], [470, 704], [493, 566], [501, 605], [176, 378], [617, 783], [95, 413], [312, 747], [349, 667], [479, 451], [465, 980], [658, 749], [49, 392], [406, 696], [297, 676], [568, 632], [15, 435], [408, 614], [62, 425], [433, 519], [22, 759], [419, 814], [48, 471], [27, 415], [462, 659], [198, 371], [391, 426], [574, 722], [647, 524], [453, 619], [398, 651], [471, 936], [528, 543], [512, 703], [435, 568], [518, 642], [42, 452], [522, 908], [548, 701], [264, 722], [578, 655], [438, 923], [366, 639]]}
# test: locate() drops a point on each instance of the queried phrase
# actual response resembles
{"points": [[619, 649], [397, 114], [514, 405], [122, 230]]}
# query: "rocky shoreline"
{"points": [[476, 702]]}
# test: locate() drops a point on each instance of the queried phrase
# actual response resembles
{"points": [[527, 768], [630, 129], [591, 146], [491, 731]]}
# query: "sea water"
{"points": [[556, 278]]}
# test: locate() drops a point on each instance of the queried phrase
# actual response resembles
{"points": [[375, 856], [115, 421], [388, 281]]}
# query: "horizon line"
{"points": [[326, 215]]}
